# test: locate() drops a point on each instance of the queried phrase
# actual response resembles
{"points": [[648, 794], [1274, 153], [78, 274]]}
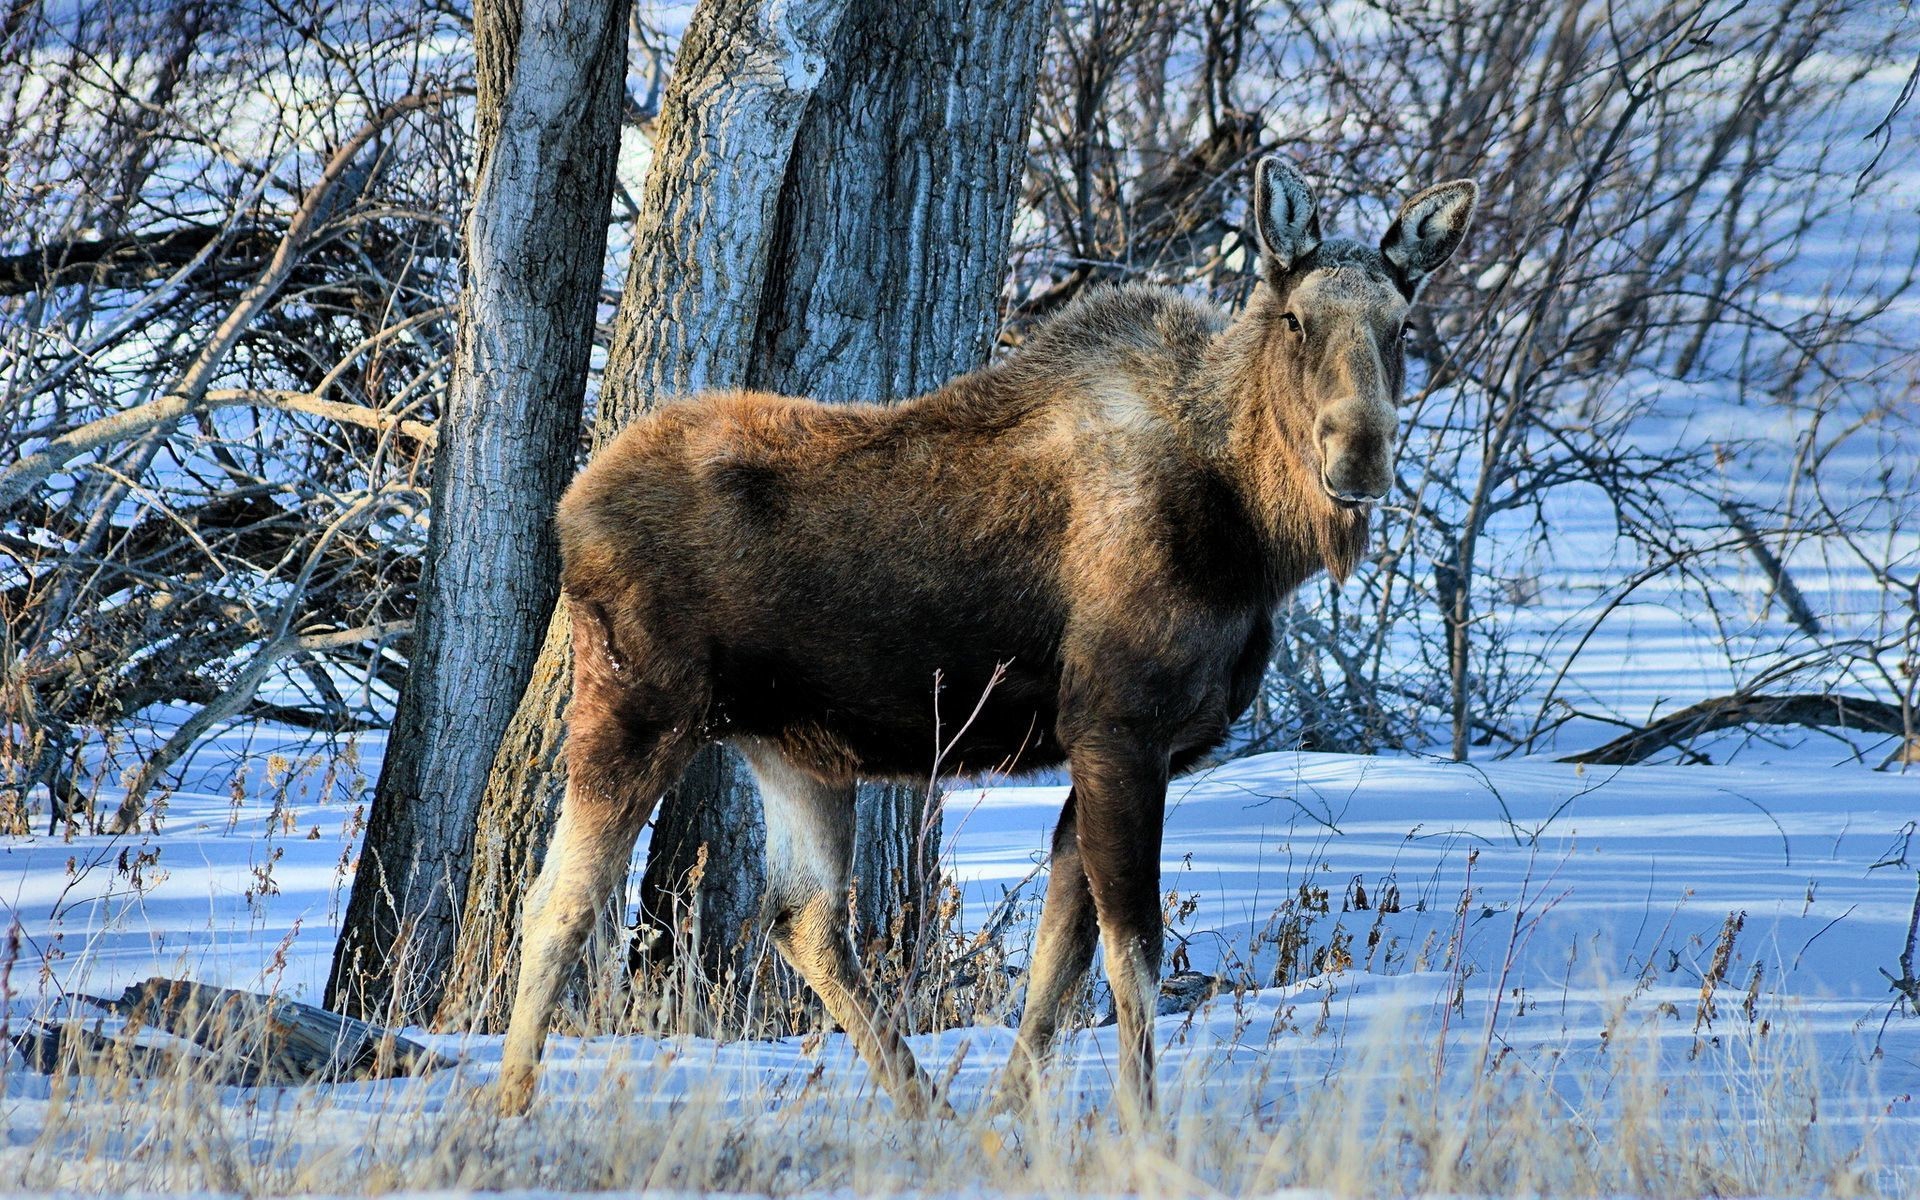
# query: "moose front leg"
{"points": [[1061, 955], [1120, 789]]}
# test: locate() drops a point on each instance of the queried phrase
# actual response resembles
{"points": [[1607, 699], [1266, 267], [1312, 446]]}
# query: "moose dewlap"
{"points": [[1100, 527]]}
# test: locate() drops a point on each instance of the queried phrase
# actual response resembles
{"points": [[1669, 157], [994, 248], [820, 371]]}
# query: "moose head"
{"points": [[1339, 310]]}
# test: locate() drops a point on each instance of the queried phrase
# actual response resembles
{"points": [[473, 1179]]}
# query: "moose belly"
{"points": [[859, 707]]}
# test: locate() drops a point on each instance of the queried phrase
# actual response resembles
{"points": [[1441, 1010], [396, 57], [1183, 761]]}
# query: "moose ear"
{"points": [[1285, 213], [1429, 229]]}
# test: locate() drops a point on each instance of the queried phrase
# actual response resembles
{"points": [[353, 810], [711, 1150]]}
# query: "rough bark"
{"points": [[893, 218], [896, 215], [739, 91], [550, 81], [517, 811], [892, 238], [704, 877], [896, 858]]}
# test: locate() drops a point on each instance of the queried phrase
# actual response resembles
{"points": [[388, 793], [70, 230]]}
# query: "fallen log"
{"points": [[231, 1037], [1180, 992], [46, 1047], [1743, 709]]}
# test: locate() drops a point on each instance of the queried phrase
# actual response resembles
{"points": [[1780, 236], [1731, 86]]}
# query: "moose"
{"points": [[1093, 534]]}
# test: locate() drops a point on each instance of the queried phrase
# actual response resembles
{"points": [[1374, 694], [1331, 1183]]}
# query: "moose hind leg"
{"points": [[618, 765], [1061, 955], [810, 827], [1122, 802]]}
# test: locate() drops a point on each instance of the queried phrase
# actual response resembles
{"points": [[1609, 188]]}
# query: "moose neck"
{"points": [[1247, 399]]}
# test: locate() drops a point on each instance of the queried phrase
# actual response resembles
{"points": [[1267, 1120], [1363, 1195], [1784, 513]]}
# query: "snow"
{"points": [[1587, 905]]}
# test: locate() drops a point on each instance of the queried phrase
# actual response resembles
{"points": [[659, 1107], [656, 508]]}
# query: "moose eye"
{"points": [[1290, 321]]}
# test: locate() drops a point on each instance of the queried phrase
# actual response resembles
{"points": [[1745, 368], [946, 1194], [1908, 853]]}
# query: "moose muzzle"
{"points": [[1356, 437]]}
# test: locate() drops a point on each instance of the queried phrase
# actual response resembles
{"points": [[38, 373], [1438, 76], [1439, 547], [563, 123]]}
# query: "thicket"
{"points": [[230, 240]]}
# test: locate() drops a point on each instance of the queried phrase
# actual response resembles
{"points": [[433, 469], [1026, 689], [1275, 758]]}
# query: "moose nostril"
{"points": [[1352, 499]]}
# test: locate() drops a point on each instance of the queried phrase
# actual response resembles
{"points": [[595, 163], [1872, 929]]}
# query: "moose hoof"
{"points": [[917, 1102], [1018, 1085], [1008, 1100], [513, 1092]]}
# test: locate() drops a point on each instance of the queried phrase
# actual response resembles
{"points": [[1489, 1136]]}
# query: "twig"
{"points": [[1000, 918], [233, 700], [1907, 985], [1783, 585]]}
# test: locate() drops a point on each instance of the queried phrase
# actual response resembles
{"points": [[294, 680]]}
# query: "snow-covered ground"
{"points": [[1651, 980], [1533, 925]]}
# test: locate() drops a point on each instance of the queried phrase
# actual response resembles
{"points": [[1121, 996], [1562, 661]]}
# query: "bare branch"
{"points": [[235, 699], [188, 393], [1729, 712]]}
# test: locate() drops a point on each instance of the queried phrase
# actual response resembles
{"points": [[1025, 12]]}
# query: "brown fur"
{"points": [[1108, 518], [801, 571]]}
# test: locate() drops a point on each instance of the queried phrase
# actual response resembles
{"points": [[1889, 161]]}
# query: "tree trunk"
{"points": [[550, 81], [892, 242], [889, 227], [896, 859], [739, 90]]}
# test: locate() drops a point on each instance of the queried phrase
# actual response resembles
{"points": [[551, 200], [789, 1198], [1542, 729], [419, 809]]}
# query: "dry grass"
{"points": [[1341, 1062], [1261, 1094]]}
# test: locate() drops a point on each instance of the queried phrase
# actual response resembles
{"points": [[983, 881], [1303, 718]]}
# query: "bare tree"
{"points": [[892, 237], [551, 78], [727, 122]]}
